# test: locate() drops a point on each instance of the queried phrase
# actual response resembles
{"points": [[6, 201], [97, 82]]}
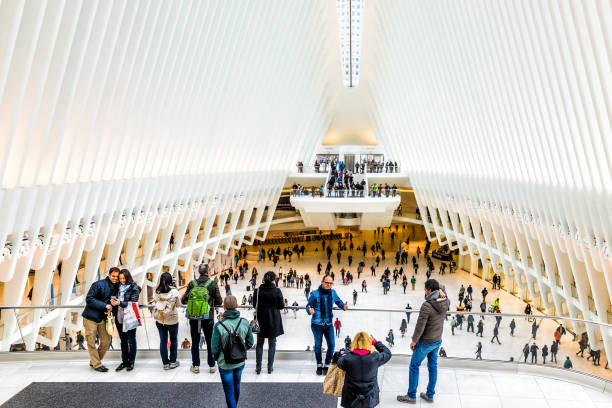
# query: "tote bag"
{"points": [[334, 381]]}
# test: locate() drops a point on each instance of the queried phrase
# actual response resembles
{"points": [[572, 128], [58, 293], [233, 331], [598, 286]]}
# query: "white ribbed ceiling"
{"points": [[466, 95], [100, 90]]}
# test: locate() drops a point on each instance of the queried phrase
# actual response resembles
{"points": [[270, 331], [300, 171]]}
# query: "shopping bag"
{"points": [[334, 381], [109, 324]]}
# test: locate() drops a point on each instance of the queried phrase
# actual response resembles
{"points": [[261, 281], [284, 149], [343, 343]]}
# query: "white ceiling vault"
{"points": [[117, 112]]}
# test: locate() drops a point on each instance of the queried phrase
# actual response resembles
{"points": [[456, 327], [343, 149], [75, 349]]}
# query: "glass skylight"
{"points": [[350, 14]]}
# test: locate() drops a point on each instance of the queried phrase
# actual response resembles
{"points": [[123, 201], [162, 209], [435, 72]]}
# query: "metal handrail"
{"points": [[519, 315]]}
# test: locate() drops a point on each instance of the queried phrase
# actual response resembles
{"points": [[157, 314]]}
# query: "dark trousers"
{"points": [[165, 331], [128, 344], [196, 327], [259, 351]]}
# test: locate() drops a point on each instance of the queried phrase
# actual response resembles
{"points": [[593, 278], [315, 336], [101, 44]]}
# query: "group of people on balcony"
{"points": [[374, 166], [338, 185], [377, 190]]}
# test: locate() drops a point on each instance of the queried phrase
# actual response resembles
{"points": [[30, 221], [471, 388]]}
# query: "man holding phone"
{"points": [[100, 300], [320, 305]]}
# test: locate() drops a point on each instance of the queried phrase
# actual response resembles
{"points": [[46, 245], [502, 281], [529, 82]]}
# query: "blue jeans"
{"points": [[231, 385], [422, 350], [318, 332], [164, 331]]}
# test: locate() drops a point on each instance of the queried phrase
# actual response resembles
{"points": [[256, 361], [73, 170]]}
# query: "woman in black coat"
{"points": [[268, 301], [361, 366]]}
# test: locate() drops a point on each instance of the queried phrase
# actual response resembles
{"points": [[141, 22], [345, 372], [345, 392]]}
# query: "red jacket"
{"points": [[337, 324]]}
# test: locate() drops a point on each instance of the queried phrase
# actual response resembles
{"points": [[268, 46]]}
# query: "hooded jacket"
{"points": [[430, 322]]}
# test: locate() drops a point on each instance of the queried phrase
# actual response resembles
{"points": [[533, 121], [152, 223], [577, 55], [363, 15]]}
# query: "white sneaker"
{"points": [[195, 369], [212, 369], [174, 365]]}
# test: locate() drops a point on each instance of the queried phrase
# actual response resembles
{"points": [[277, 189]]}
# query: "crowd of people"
{"points": [[117, 295]]}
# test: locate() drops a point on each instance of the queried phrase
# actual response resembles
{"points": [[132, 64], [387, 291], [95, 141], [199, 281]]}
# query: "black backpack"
{"points": [[234, 349]]}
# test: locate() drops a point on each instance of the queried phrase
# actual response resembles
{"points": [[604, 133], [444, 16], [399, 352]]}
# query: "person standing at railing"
{"points": [[127, 294], [165, 313], [426, 340], [98, 306], [201, 297], [554, 348], [320, 306], [268, 301]]}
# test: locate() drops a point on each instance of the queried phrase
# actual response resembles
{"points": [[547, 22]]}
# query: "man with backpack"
{"points": [[201, 297], [232, 337]]}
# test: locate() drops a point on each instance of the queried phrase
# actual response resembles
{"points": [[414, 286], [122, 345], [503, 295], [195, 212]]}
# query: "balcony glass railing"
{"points": [[581, 341]]}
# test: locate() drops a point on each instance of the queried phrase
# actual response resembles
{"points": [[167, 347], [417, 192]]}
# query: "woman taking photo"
{"points": [[361, 366], [268, 301], [128, 292], [166, 317]]}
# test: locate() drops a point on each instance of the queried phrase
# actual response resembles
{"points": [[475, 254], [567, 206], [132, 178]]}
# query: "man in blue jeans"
{"points": [[426, 341], [320, 305]]}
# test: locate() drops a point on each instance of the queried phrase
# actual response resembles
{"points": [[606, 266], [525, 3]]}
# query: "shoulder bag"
{"points": [[255, 323], [334, 381]]}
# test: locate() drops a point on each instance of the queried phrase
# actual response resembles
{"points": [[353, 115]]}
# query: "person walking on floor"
{"points": [[470, 323], [166, 298], [512, 327], [526, 351], [201, 297], [320, 305], [128, 293], [268, 302], [98, 305], [337, 326], [408, 312], [232, 337], [480, 327], [391, 338], [479, 351], [361, 367], [495, 334], [354, 297], [426, 340]]}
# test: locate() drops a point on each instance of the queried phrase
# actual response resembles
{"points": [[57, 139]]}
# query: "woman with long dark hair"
{"points": [[128, 292], [166, 316], [268, 301]]}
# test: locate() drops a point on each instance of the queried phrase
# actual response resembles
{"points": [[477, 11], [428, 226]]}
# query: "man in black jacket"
{"points": [[426, 340], [206, 325], [98, 305]]}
